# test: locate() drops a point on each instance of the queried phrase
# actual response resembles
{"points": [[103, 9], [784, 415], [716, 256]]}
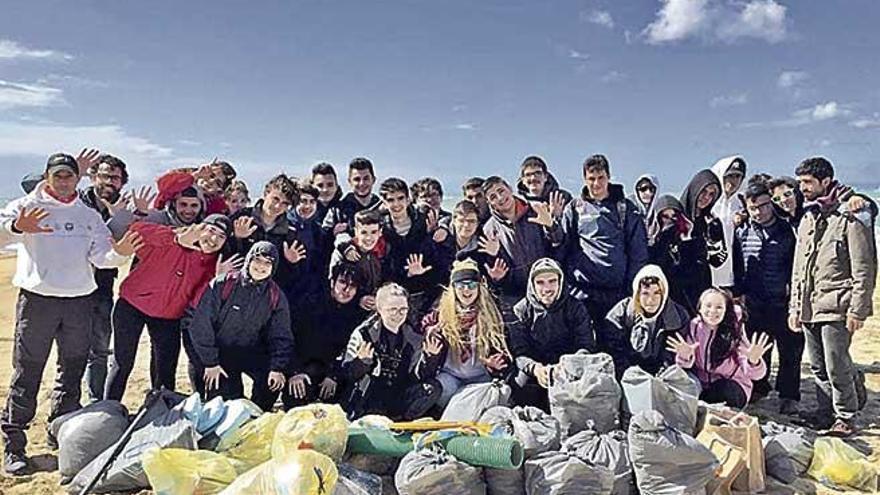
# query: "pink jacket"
{"points": [[736, 367]]}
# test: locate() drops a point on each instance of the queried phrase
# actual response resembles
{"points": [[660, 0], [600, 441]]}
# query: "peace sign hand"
{"points": [[294, 252], [756, 346], [415, 266], [678, 346], [543, 215]]}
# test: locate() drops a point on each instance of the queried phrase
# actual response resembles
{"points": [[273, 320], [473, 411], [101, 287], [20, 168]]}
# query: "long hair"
{"points": [[489, 327], [729, 333]]}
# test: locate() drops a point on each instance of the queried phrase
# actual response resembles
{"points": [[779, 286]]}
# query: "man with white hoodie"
{"points": [[60, 242], [731, 171]]}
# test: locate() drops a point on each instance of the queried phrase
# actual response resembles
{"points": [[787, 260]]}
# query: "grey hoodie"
{"points": [[647, 211]]}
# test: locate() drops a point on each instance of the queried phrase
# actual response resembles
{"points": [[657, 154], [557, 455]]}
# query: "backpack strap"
{"points": [[228, 285], [274, 295]]}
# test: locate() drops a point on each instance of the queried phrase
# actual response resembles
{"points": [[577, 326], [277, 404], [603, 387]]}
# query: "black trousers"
{"points": [[598, 303], [128, 323], [726, 392], [39, 321], [316, 372], [399, 402], [232, 387], [789, 346]]}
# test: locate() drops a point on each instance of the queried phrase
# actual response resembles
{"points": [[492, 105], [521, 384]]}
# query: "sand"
{"points": [[865, 350]]}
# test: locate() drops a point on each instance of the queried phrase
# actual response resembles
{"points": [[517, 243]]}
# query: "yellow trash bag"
{"points": [[187, 472], [319, 427], [836, 463], [251, 445], [302, 472]]}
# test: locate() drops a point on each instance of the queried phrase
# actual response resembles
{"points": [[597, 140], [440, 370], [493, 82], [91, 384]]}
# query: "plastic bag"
{"points": [[836, 463], [788, 451], [609, 450], [251, 445], [471, 401], [673, 393], [318, 427], [559, 473], [185, 472], [434, 472], [356, 482], [302, 472], [83, 434], [585, 390]]}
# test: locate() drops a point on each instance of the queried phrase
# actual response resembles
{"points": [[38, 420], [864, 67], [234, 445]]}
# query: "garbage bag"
{"points": [[564, 473], [609, 450], [127, 472], [434, 472], [83, 434], [583, 390], [665, 460], [536, 430], [187, 472], [251, 445], [301, 472], [788, 451], [320, 427], [471, 401], [673, 393], [356, 482], [837, 464]]}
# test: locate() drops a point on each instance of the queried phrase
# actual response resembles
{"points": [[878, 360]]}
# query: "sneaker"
{"points": [[842, 429], [15, 463], [789, 407]]}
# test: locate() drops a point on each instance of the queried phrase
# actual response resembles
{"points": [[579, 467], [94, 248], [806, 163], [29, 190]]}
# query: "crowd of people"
{"points": [[386, 303]]}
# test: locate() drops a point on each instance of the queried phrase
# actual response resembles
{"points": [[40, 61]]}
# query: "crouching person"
{"points": [[638, 327], [391, 368], [469, 325], [549, 323], [241, 325]]}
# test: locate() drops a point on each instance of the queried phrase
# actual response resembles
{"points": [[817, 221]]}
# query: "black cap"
{"points": [[736, 167], [61, 161], [222, 222]]}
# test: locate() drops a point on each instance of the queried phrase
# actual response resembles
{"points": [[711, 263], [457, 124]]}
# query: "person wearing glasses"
{"points": [[763, 254], [468, 322], [788, 199], [390, 367], [645, 195], [536, 183]]}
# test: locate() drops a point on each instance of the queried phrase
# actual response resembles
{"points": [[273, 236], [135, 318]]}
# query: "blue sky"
{"points": [[452, 88]]}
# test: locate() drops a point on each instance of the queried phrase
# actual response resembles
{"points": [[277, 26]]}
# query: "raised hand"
{"points": [[351, 254], [143, 199], [231, 264], [130, 243], [328, 389], [294, 252], [440, 235], [543, 215], [189, 236], [495, 362], [119, 205], [498, 270], [415, 265], [368, 303], [432, 344], [340, 228], [432, 219], [678, 346], [86, 159], [365, 351], [276, 381], [557, 203], [756, 346], [28, 221], [243, 227], [489, 244], [212, 377], [297, 385]]}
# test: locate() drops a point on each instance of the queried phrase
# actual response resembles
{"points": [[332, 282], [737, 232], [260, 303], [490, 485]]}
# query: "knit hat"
{"points": [[61, 161], [222, 222], [464, 271]]}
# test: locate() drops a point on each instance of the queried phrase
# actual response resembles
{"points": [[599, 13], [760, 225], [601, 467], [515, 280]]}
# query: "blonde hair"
{"points": [[489, 326]]}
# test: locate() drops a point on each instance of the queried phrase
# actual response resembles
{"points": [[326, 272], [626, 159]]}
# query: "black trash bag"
{"points": [[673, 393], [609, 450], [564, 473], [435, 472], [170, 429], [585, 389], [83, 434], [356, 482], [536, 431], [665, 460], [471, 401], [788, 451]]}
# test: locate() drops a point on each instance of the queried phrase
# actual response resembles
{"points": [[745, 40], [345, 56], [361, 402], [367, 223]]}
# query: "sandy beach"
{"points": [[865, 349]]}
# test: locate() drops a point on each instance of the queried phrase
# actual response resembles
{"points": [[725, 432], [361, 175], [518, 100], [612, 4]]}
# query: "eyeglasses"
{"points": [[467, 284], [109, 177], [765, 204], [396, 311], [646, 188], [783, 196]]}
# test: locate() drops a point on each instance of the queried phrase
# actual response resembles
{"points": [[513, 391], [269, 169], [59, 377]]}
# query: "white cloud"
{"points": [[13, 50], [830, 110], [572, 53], [729, 100], [15, 95], [613, 77], [465, 127], [791, 78], [718, 20], [599, 17], [867, 122]]}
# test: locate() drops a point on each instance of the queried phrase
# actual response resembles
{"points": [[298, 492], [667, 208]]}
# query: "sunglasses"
{"points": [[780, 197], [467, 284], [646, 188]]}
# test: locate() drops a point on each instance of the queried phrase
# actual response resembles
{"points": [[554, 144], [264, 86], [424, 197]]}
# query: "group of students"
{"points": [[388, 304]]}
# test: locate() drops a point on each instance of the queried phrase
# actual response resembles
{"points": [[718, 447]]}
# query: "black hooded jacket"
{"points": [[550, 186], [682, 257], [345, 210], [250, 326], [321, 210]]}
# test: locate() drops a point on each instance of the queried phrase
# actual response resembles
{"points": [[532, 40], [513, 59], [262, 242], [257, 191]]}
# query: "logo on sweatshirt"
{"points": [[68, 226]]}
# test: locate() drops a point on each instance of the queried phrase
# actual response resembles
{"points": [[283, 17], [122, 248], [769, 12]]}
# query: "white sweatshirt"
{"points": [[726, 209], [59, 263]]}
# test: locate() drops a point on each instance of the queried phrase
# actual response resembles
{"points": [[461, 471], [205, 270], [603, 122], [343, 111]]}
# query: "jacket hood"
{"points": [[669, 202], [723, 165], [703, 179], [264, 249], [545, 265], [645, 272], [615, 193], [644, 209]]}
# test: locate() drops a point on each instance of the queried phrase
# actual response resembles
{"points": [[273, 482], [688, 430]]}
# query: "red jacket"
{"points": [[167, 276]]}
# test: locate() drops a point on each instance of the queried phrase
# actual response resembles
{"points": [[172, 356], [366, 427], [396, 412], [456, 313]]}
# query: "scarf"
{"points": [[831, 201], [467, 322]]}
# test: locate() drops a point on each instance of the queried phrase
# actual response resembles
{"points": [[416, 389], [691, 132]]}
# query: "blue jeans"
{"points": [[99, 346], [452, 384]]}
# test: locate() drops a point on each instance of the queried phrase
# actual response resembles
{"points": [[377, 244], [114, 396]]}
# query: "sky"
{"points": [[448, 89]]}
